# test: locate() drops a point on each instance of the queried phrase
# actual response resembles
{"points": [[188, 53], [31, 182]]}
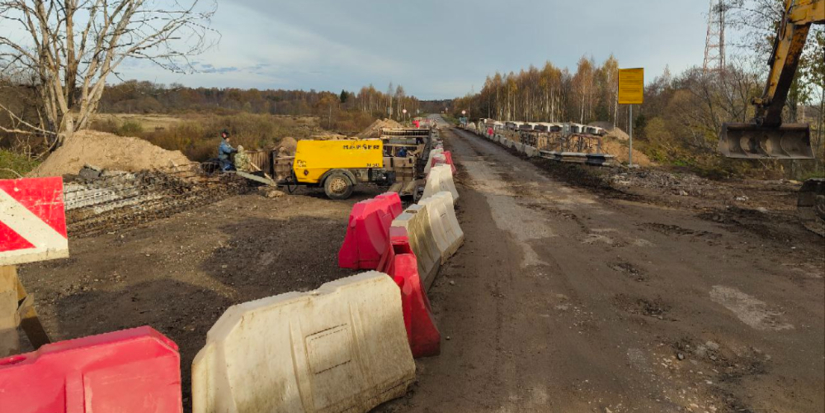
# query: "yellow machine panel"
{"points": [[314, 158]]}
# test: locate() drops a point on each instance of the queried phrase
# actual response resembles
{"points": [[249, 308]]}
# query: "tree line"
{"points": [[147, 98], [549, 94]]}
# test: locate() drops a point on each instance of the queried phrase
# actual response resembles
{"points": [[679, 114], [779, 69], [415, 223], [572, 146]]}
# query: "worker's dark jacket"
{"points": [[224, 150]]}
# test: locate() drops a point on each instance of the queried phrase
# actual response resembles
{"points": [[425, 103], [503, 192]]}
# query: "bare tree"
{"points": [[70, 48]]}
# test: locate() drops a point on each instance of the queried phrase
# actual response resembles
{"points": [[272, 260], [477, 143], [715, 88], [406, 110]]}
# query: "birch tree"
{"points": [[69, 48]]}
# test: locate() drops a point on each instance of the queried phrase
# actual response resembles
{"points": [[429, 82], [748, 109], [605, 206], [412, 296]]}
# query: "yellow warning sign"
{"points": [[631, 86]]}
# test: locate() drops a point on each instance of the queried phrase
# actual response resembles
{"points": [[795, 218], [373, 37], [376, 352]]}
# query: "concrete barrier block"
{"points": [[416, 221], [340, 348], [531, 151], [440, 179], [519, 146], [443, 221]]}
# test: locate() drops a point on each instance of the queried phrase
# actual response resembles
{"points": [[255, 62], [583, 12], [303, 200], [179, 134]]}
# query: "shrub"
{"points": [[130, 128], [11, 162]]}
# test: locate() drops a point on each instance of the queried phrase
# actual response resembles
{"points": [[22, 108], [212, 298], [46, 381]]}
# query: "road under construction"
{"points": [[536, 286]]}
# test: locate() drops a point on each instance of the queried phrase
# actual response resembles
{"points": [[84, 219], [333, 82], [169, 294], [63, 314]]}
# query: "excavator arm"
{"points": [[767, 137]]}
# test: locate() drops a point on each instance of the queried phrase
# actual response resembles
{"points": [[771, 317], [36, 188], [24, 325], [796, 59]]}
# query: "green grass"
{"points": [[12, 164]]}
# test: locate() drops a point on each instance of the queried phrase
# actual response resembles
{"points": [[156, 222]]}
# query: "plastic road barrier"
{"points": [[449, 157], [416, 221], [440, 179], [135, 370], [368, 232], [340, 348], [429, 164], [399, 262], [444, 224]]}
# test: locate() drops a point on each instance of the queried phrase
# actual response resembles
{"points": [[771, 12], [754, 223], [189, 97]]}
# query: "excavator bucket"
{"points": [[749, 141]]}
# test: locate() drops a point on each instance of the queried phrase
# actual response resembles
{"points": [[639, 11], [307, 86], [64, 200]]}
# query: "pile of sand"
{"points": [[614, 146], [107, 151], [612, 131], [287, 147], [374, 130]]}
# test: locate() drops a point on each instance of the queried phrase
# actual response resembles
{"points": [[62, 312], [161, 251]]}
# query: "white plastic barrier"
{"points": [[340, 348], [531, 151], [438, 159], [444, 224], [433, 153], [440, 179], [519, 146], [416, 221]]}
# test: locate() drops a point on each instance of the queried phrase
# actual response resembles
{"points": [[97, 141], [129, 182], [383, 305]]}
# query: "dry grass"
{"points": [[197, 135], [148, 122]]}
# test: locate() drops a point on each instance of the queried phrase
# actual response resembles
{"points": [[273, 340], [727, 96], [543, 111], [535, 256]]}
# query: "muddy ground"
{"points": [[568, 295], [179, 274]]}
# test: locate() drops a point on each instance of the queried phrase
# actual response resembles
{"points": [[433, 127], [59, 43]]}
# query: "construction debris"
{"points": [[115, 200], [374, 130]]}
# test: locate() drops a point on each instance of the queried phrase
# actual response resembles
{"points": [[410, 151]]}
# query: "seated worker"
{"points": [[224, 150]]}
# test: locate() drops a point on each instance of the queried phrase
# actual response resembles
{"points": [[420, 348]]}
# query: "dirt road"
{"points": [[567, 300]]}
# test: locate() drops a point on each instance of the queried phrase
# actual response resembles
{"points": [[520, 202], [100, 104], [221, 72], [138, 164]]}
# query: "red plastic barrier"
{"points": [[135, 370], [399, 262], [368, 232], [448, 156]]}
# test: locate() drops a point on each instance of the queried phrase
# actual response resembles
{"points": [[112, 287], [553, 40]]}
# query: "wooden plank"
{"points": [[30, 323], [256, 178], [9, 339]]}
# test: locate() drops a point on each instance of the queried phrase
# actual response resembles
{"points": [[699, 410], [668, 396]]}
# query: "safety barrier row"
{"points": [[343, 347], [501, 139], [429, 230], [592, 159], [348, 346]]}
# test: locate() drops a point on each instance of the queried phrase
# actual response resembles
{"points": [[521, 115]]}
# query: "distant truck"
{"points": [[339, 165]]}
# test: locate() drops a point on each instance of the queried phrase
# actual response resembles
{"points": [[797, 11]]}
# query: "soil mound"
{"points": [[107, 151], [612, 131], [287, 146], [618, 148], [374, 130]]}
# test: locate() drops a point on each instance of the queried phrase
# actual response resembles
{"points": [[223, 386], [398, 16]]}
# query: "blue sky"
{"points": [[435, 49]]}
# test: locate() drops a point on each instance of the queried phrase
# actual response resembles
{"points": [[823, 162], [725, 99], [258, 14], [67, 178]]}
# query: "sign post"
{"points": [[631, 92]]}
